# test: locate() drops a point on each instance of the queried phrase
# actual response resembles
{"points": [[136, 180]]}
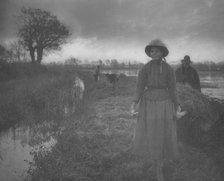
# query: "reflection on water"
{"points": [[13, 155], [214, 92], [15, 150], [128, 72], [213, 83]]}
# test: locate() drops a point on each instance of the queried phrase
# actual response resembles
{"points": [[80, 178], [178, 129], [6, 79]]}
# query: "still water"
{"points": [[212, 83], [16, 144], [14, 153]]}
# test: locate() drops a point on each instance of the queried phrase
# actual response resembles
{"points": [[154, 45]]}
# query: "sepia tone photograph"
{"points": [[111, 90]]}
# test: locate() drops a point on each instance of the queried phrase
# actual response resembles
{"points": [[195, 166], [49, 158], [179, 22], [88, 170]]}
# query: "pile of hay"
{"points": [[202, 114]]}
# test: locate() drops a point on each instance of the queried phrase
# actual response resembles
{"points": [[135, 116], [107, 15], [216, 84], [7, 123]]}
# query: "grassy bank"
{"points": [[96, 144]]}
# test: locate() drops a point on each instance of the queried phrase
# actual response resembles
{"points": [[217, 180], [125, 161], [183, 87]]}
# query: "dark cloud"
{"points": [[133, 21], [9, 10], [210, 26], [144, 19], [3, 12], [136, 19]]}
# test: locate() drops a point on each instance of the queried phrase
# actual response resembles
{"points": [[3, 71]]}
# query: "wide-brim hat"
{"points": [[158, 44]]}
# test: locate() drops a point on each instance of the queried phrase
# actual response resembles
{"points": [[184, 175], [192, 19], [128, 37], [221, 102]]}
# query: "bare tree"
{"points": [[4, 54], [39, 31], [17, 52]]}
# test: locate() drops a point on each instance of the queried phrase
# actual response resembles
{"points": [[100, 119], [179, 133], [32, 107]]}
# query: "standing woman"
{"points": [[155, 134]]}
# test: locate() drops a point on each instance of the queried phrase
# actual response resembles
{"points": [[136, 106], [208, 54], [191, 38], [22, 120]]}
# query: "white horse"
{"points": [[77, 93]]}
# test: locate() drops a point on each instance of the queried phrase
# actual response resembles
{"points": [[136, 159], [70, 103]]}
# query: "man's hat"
{"points": [[186, 59]]}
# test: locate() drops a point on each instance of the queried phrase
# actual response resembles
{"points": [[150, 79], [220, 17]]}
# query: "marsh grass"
{"points": [[42, 96]]}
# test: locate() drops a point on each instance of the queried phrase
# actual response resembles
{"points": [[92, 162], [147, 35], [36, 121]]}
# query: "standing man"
{"points": [[186, 74], [97, 73]]}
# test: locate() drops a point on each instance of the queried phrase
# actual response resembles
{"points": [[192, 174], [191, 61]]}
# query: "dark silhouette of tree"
{"points": [[4, 54], [73, 61], [17, 52], [39, 31], [114, 63]]}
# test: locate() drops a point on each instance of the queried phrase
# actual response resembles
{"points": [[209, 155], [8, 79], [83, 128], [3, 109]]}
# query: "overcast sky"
{"points": [[106, 29]]}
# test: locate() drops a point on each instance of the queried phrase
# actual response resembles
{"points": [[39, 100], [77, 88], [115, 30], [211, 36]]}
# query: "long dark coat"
{"points": [[188, 75]]}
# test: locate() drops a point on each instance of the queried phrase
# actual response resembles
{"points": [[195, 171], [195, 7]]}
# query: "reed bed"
{"points": [[37, 98]]}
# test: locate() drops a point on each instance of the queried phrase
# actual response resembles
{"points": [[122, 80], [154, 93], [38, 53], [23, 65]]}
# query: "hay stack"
{"points": [[201, 116]]}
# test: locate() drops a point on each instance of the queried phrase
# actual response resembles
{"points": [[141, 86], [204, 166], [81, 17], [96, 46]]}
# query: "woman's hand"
{"points": [[180, 113], [178, 109], [133, 108]]}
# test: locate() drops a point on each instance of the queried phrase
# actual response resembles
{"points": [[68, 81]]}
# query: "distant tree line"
{"points": [[17, 53], [114, 63], [209, 66], [106, 64]]}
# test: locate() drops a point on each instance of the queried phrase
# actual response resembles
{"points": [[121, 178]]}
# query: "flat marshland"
{"points": [[95, 142]]}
